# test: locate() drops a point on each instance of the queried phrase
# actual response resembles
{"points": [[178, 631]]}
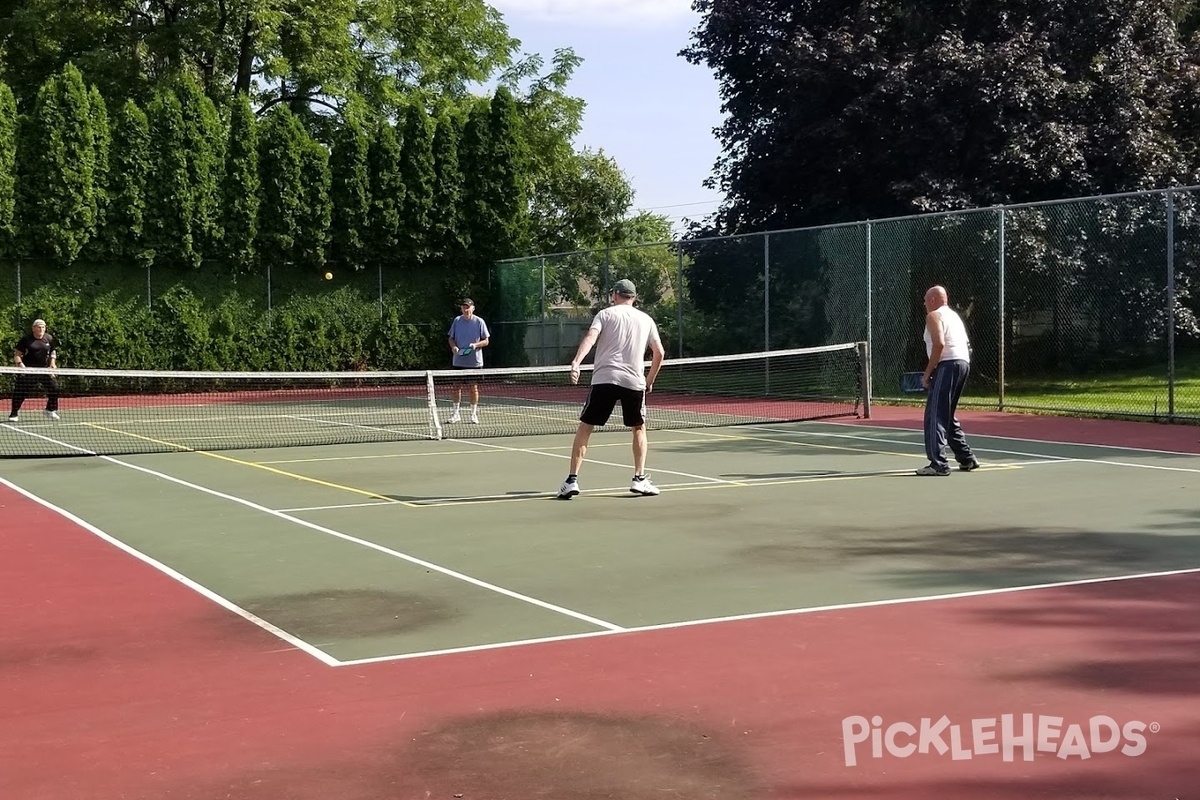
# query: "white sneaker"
{"points": [[568, 490], [52, 414], [474, 417], [454, 418], [643, 486], [14, 418]]}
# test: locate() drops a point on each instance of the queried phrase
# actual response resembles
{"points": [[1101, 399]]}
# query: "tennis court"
{"points": [[412, 616]]}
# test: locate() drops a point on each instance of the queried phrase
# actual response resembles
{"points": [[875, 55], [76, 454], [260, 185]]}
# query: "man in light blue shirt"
{"points": [[468, 336]]}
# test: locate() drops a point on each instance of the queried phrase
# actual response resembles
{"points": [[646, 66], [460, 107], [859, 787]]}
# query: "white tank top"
{"points": [[954, 335]]}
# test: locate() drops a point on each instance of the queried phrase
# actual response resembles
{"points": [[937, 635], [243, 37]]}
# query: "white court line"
{"points": [[336, 534], [299, 644], [819, 434], [1137, 466], [340, 424], [14, 427], [769, 614], [745, 483], [1023, 439], [1044, 456], [567, 456], [377, 547]]}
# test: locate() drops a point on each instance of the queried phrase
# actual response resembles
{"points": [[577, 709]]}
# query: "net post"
{"points": [[435, 424], [1003, 322], [864, 365], [1171, 289]]}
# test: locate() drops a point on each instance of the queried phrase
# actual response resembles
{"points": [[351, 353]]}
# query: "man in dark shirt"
{"points": [[36, 349]]}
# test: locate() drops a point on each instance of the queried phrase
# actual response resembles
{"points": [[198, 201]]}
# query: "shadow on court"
{"points": [[1147, 652], [949, 556]]}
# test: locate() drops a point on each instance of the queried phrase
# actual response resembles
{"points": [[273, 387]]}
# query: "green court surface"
{"points": [[389, 550]]}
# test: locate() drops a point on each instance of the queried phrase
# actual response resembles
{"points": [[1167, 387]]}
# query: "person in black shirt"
{"points": [[36, 349]]}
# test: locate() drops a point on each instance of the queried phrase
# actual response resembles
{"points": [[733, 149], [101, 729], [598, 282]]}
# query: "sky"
{"points": [[647, 107]]}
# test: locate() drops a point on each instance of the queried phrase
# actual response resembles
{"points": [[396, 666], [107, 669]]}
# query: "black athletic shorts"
{"points": [[602, 399]]}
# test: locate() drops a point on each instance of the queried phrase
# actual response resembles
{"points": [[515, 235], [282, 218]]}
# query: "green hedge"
{"points": [[339, 330]]}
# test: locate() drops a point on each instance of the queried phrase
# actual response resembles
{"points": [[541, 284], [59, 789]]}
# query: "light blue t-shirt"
{"points": [[464, 332]]}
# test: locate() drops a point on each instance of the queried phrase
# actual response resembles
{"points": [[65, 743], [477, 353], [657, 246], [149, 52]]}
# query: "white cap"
{"points": [[40, 322]]}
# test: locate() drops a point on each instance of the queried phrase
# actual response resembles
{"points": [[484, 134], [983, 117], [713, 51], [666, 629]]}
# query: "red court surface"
{"points": [[116, 681]]}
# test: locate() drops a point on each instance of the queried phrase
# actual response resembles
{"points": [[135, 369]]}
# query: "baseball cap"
{"points": [[625, 288], [39, 322], [466, 301]]}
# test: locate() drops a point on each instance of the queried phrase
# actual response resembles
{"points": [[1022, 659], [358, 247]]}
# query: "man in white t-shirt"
{"points": [[621, 334], [949, 351]]}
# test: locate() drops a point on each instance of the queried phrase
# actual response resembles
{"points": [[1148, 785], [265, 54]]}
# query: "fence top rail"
{"points": [[683, 243]]}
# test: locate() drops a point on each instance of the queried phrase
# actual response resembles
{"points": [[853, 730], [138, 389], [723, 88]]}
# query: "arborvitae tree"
{"points": [[473, 153], [8, 175], [102, 141], [351, 195], [170, 200], [204, 143], [240, 187], [129, 166], [494, 163], [55, 166], [281, 186], [316, 210], [417, 171], [387, 195], [510, 164], [448, 238]]}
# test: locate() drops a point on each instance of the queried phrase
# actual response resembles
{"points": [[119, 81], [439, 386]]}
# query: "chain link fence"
{"points": [[1082, 306]]}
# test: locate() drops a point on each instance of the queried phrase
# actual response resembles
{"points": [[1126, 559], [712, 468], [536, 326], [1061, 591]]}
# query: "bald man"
{"points": [[949, 351]]}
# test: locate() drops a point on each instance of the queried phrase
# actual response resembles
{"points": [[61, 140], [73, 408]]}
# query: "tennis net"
{"points": [[114, 412]]}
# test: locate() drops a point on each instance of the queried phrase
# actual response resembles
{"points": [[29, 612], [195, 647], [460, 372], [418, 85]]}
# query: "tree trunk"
{"points": [[245, 65]]}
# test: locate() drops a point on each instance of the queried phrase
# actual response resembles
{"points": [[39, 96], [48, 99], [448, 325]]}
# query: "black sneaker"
{"points": [[967, 466]]}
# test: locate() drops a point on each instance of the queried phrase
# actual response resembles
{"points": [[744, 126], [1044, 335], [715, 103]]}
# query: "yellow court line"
{"points": [[592, 446], [243, 463]]}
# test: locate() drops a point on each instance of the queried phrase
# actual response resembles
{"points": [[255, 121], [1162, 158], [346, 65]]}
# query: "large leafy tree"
{"points": [[869, 108], [577, 199], [583, 202], [323, 52]]}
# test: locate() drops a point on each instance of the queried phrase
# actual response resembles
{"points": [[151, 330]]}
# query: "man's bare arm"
{"points": [[657, 355]]}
